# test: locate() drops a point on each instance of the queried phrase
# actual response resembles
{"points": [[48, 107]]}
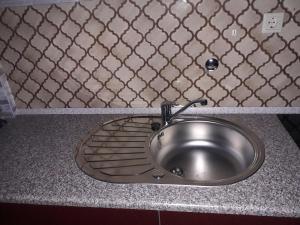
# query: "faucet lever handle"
{"points": [[166, 109]]}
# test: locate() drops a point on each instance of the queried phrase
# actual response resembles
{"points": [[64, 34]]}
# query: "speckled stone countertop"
{"points": [[37, 167]]}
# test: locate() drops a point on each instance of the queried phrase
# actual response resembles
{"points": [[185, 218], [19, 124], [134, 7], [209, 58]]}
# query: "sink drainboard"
{"points": [[117, 151]]}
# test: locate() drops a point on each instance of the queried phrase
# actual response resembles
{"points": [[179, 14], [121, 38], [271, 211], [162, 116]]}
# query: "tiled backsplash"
{"points": [[131, 53]]}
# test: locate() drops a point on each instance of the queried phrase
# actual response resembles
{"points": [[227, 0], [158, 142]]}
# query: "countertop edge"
{"points": [[162, 207]]}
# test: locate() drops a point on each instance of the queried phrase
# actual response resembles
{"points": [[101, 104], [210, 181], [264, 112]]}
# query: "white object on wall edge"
{"points": [[7, 102]]}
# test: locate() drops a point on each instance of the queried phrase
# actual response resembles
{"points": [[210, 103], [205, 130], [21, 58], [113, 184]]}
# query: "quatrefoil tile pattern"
{"points": [[127, 53]]}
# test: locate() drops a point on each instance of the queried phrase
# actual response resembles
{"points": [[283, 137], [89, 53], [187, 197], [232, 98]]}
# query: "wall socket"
{"points": [[272, 22]]}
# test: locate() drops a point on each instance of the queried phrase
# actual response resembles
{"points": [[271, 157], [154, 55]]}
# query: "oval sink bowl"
{"points": [[207, 151]]}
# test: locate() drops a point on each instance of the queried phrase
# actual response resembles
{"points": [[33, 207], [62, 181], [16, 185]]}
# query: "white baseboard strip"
{"points": [[203, 110]]}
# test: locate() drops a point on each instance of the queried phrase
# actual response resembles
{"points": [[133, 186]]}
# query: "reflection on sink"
{"points": [[189, 151], [207, 151]]}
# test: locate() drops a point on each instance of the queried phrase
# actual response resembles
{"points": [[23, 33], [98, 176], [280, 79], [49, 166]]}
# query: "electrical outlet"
{"points": [[272, 22]]}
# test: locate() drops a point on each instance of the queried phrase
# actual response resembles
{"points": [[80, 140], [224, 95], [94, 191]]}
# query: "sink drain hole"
{"points": [[177, 171]]}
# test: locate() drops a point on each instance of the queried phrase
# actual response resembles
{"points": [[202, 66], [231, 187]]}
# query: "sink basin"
{"points": [[189, 151], [207, 151]]}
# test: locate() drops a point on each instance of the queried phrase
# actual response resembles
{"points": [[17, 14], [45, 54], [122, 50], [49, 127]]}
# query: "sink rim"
{"points": [[256, 143], [151, 173]]}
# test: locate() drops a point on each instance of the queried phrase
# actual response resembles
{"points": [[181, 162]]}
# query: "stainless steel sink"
{"points": [[207, 151], [190, 151]]}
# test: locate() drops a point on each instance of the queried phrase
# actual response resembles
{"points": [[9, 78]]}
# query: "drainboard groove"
{"points": [[138, 123], [127, 174], [114, 167], [114, 153], [130, 131], [118, 141], [116, 136], [115, 160], [120, 136], [116, 125], [100, 147]]}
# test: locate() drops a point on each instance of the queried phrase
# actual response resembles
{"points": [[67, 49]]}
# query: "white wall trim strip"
{"points": [[203, 110]]}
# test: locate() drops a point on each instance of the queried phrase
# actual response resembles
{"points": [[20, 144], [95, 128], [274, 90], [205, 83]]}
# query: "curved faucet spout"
{"points": [[166, 109]]}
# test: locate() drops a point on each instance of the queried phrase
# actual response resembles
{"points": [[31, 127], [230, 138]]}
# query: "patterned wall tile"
{"points": [[126, 53]]}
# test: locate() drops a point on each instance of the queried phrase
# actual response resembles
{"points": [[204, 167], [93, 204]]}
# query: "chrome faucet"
{"points": [[166, 109]]}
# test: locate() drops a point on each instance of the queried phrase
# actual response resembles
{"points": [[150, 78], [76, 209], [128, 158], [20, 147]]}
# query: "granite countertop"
{"points": [[38, 167]]}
